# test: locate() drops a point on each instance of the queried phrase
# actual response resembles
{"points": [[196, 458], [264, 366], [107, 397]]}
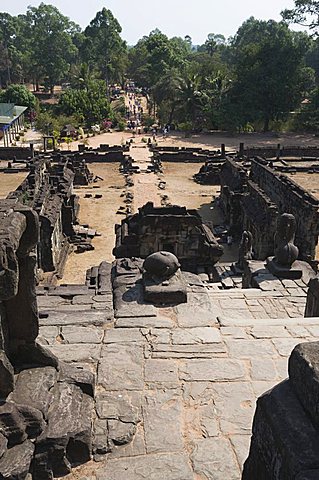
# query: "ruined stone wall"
{"points": [[260, 218], [289, 151], [20, 153], [172, 229], [233, 179], [291, 198], [48, 189]]}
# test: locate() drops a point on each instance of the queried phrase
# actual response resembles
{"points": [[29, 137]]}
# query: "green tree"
{"points": [[104, 46], [306, 13], [307, 119], [52, 48], [19, 95], [7, 34], [213, 42], [270, 75], [90, 104]]}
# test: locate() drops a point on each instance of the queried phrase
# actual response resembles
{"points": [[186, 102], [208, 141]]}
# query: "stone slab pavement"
{"points": [[182, 384]]}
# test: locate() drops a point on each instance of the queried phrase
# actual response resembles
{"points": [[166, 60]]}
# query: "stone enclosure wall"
{"points": [[252, 194], [291, 198]]}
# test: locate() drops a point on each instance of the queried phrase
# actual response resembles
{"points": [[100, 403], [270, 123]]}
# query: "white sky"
{"points": [[196, 18]]}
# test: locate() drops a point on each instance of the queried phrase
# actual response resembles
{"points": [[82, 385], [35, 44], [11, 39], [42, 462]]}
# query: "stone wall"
{"points": [[282, 151], [20, 153], [182, 155], [48, 189], [259, 216], [233, 179], [291, 198]]}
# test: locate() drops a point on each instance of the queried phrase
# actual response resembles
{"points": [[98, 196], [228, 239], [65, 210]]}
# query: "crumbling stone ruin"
{"points": [[46, 410], [174, 229], [253, 195], [284, 443], [48, 189]]}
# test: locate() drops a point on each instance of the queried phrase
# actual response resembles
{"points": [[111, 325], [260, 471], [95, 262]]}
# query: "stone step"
{"points": [[253, 322], [84, 317]]}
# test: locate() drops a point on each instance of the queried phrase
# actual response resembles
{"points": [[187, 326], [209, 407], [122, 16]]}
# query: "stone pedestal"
{"points": [[167, 292], [298, 270], [280, 271]]}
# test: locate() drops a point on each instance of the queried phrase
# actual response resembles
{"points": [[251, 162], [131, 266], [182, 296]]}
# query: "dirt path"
{"points": [[145, 183], [100, 214]]}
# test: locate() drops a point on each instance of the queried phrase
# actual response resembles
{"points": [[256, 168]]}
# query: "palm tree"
{"points": [[190, 98]]}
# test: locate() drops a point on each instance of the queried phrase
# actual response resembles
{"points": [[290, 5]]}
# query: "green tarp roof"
{"points": [[10, 112]]}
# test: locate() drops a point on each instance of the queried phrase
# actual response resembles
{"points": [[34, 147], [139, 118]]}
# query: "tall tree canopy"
{"points": [[104, 47], [306, 13], [270, 73], [52, 47]]}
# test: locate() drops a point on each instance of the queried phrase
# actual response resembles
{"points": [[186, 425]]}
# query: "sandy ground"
{"points": [[180, 189], [9, 181], [100, 214]]}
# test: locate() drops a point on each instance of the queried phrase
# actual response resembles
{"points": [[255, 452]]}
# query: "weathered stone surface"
{"points": [[208, 421], [33, 387], [304, 376], [77, 375], [144, 322], [217, 369], [135, 448], [135, 310], [284, 442], [188, 351], [15, 463], [234, 406], [121, 367], [123, 406], [200, 335], [87, 317], [175, 465], [88, 334], [12, 423], [162, 421], [214, 458], [48, 335], [120, 433], [3, 444], [50, 301], [6, 375], [123, 335], [189, 316], [161, 371], [263, 369], [249, 348], [240, 444], [33, 419], [269, 332], [156, 335], [69, 290], [284, 346], [82, 299], [66, 440], [86, 353]]}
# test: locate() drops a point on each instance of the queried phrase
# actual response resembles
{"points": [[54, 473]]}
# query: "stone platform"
{"points": [[179, 383]]}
